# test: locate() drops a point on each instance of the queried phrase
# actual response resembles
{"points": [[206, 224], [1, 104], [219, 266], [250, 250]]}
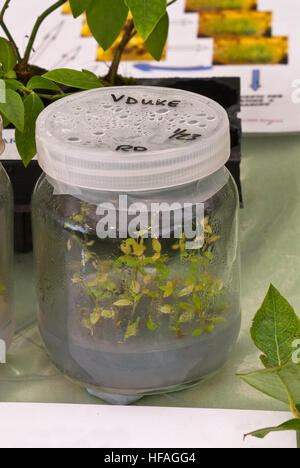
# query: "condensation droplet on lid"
{"points": [[74, 139]]}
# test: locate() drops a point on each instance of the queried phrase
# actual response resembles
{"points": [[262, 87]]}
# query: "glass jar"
{"points": [[136, 240], [6, 258]]}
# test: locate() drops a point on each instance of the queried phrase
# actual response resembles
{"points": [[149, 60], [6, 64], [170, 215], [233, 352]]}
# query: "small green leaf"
{"points": [[157, 40], [39, 82], [146, 14], [151, 325], [108, 314], [95, 316], [7, 55], [292, 425], [25, 140], [79, 6], [186, 291], [132, 329], [275, 328], [135, 287], [156, 245], [106, 20], [166, 309], [187, 316], [123, 303], [197, 301], [198, 332], [73, 78], [13, 109]]}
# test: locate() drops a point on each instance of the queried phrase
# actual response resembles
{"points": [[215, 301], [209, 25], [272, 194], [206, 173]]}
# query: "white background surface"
{"points": [[89, 426]]}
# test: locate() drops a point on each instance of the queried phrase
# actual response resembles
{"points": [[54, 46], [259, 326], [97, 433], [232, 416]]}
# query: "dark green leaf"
{"points": [[74, 78], [157, 40], [106, 19], [275, 328], [151, 325], [39, 82], [25, 141], [11, 74], [79, 6], [292, 425], [6, 123], [7, 55], [13, 109], [146, 14], [14, 84]]}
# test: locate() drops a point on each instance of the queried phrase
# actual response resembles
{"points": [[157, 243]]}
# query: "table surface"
{"points": [[270, 233]]}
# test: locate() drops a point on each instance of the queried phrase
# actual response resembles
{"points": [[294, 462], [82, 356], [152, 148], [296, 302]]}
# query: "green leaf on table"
{"points": [[146, 14], [74, 78], [281, 383], [79, 6], [157, 40], [106, 20], [275, 328], [25, 141], [39, 82], [7, 55], [13, 109], [292, 425]]}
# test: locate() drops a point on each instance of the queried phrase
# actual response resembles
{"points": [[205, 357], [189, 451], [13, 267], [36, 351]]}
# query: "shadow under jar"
{"points": [[136, 240], [6, 258]]}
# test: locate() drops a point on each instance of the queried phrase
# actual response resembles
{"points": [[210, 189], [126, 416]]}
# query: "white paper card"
{"points": [[96, 426]]}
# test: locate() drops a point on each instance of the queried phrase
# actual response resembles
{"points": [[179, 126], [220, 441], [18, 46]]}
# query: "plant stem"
{"points": [[54, 97], [129, 33], [171, 3], [7, 32], [36, 27]]}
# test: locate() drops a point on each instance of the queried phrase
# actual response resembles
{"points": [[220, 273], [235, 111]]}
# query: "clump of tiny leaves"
{"points": [[137, 289], [26, 89], [276, 332]]}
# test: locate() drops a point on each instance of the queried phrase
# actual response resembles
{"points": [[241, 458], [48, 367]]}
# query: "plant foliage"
{"points": [[22, 99], [276, 331]]}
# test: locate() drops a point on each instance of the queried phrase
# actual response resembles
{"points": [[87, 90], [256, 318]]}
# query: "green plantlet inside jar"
{"points": [[135, 311]]}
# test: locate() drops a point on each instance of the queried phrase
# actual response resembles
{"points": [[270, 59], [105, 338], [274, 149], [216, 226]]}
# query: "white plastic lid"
{"points": [[132, 138]]}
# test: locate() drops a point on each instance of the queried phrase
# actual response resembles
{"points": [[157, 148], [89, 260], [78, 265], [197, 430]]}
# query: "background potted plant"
{"points": [[27, 89]]}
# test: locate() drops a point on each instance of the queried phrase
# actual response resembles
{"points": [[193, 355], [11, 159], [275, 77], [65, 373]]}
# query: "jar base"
{"points": [[114, 399]]}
